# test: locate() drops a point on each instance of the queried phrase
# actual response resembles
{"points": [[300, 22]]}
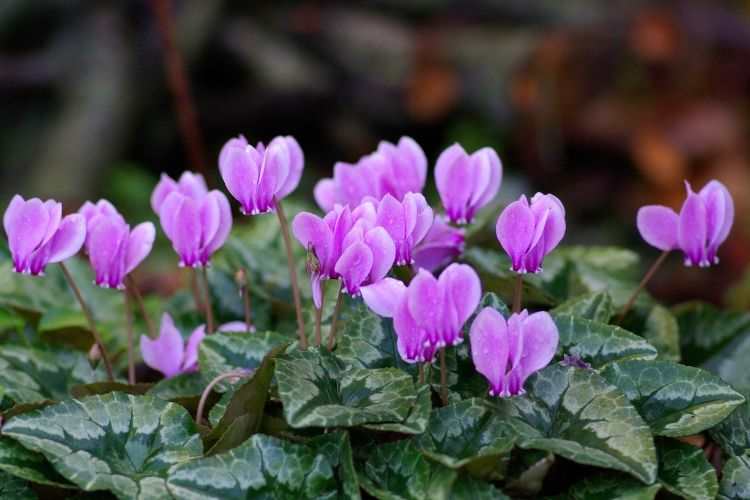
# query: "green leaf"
{"points": [[675, 400], [599, 344], [418, 418], [468, 434], [705, 330], [116, 442], [318, 390], [398, 470], [219, 408], [611, 488], [10, 320], [262, 467], [13, 488], [98, 388], [735, 479], [224, 352], [663, 332], [596, 306], [730, 363], [337, 448], [576, 414], [244, 413], [491, 300], [468, 488], [185, 385], [684, 470], [30, 375], [733, 433], [66, 326], [29, 465]]}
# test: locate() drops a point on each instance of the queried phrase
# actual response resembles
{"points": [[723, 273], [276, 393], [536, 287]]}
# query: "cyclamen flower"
{"points": [[256, 176], [442, 244], [466, 183], [347, 245], [528, 232], [392, 169], [428, 314], [703, 224], [407, 223], [114, 250], [197, 221], [38, 234], [169, 353], [507, 353]]}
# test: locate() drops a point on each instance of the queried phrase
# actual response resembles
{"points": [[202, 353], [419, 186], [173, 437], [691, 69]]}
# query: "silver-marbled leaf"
{"points": [[596, 306], [29, 465], [735, 479], [684, 470], [733, 433], [663, 332]]}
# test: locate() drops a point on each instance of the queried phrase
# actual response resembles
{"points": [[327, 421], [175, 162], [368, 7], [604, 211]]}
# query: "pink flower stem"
{"points": [[209, 388], [335, 320], [646, 278], [133, 289], [319, 316], [518, 294], [443, 378], [209, 308], [292, 273], [90, 319], [245, 291], [129, 323]]}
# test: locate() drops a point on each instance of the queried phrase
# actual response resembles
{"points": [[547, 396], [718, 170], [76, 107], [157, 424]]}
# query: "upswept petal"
{"points": [[352, 183], [68, 239], [455, 180], [164, 353], [225, 224], [425, 301], [296, 166], [354, 266], [240, 175], [163, 189], [325, 194], [26, 225], [238, 142], [107, 246], [391, 216], [140, 242], [463, 290], [411, 338], [692, 230], [720, 213], [190, 357], [384, 296], [515, 231], [659, 226], [490, 348], [54, 210], [383, 252], [540, 338], [488, 192], [312, 232], [192, 185]]}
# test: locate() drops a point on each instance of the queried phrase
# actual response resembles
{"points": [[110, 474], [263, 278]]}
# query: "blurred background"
{"points": [[609, 105]]}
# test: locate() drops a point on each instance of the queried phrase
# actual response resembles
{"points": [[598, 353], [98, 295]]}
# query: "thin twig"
{"points": [[319, 316], [646, 278], [90, 319], [292, 272], [129, 325], [209, 308], [131, 286], [335, 320], [443, 378], [207, 391], [245, 292], [179, 85], [421, 373], [518, 293]]}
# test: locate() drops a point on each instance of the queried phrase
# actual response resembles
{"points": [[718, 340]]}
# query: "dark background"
{"points": [[608, 104]]}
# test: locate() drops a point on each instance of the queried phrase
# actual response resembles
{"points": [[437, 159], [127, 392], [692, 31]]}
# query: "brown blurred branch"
{"points": [[179, 85]]}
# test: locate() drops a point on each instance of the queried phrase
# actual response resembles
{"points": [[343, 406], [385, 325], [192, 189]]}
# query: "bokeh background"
{"points": [[608, 104]]}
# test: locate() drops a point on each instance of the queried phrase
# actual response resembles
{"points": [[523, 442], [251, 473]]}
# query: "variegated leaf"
{"points": [[29, 465], [610, 488], [735, 479], [733, 433], [416, 421], [684, 470], [596, 306], [663, 332]]}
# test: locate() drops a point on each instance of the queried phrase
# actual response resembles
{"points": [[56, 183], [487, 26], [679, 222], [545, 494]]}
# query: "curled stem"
{"points": [[335, 321], [133, 289], [646, 278], [443, 378], [129, 324], [90, 319], [209, 388], [207, 297], [517, 294], [292, 272]]}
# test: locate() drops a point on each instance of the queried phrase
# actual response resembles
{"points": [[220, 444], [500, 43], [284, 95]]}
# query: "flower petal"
{"points": [[354, 266], [454, 180], [540, 339], [225, 224], [692, 230], [164, 188], [312, 232], [325, 194], [240, 174], [384, 296], [180, 218], [352, 183], [425, 300], [192, 185], [190, 357], [486, 192], [515, 231], [463, 289], [296, 166], [719, 212], [411, 337], [68, 239], [392, 217], [140, 242], [658, 226], [383, 252], [489, 348], [107, 246], [26, 225], [164, 353]]}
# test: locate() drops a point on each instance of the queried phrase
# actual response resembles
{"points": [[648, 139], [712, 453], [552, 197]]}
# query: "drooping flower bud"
{"points": [[169, 353], [407, 222]]}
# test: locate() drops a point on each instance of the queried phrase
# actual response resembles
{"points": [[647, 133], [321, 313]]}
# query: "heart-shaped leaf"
{"points": [[262, 467], [468, 434], [116, 442], [663, 332], [684, 470], [418, 418], [730, 362], [599, 344], [596, 306], [735, 479], [185, 385], [705, 330], [319, 390], [338, 450], [13, 488], [733, 433], [610, 488], [576, 414], [29, 465], [674, 399]]}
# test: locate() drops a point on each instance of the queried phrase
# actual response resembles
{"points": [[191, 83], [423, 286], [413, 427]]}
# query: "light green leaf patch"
{"points": [[29, 465], [684, 470], [319, 390], [663, 332], [116, 442], [596, 306], [576, 414], [705, 330], [674, 399], [735, 479], [418, 418], [733, 433]]}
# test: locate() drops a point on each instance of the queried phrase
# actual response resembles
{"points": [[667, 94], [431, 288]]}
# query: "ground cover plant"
{"points": [[377, 345]]}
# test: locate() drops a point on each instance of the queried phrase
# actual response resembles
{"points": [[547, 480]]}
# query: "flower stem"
{"points": [[292, 273], [210, 386], [335, 320], [443, 378], [209, 308], [518, 293], [129, 323], [245, 291], [421, 373], [90, 319], [133, 289], [646, 278], [319, 316]]}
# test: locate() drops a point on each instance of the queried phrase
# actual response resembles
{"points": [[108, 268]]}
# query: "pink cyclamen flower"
{"points": [[429, 313], [169, 353], [701, 227], [347, 245], [466, 183], [442, 244], [394, 169], [113, 249], [256, 176], [507, 353], [407, 222], [190, 184], [528, 232], [38, 234]]}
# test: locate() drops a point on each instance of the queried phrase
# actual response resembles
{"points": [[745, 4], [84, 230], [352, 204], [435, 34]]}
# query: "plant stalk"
{"points": [[245, 291], [646, 278], [421, 373], [319, 316], [443, 378], [292, 273], [90, 319], [129, 324], [133, 289], [209, 308], [518, 294], [335, 320], [210, 386]]}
